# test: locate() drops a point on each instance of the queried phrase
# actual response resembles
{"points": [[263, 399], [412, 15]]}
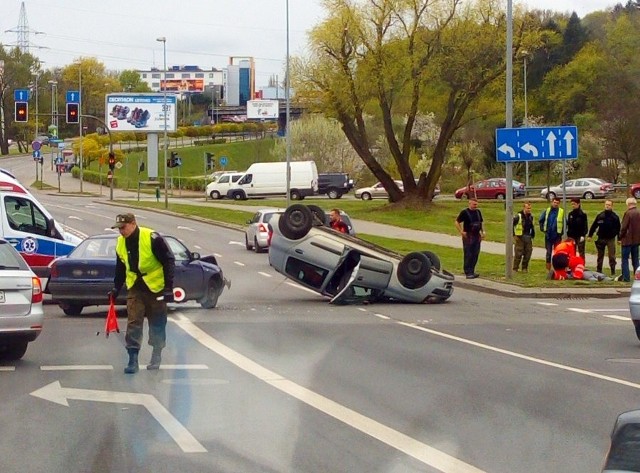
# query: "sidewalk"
{"points": [[71, 187]]}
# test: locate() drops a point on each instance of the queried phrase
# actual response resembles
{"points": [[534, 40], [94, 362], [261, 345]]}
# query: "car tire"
{"points": [[551, 196], [334, 194], [500, 196], [365, 196], [256, 247], [414, 271], [72, 309], [295, 195], [239, 195], [215, 195], [210, 299], [318, 215], [433, 259], [15, 350], [588, 195], [246, 243], [296, 222]]}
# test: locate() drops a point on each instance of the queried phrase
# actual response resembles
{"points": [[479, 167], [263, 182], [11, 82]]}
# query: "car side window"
{"points": [[255, 218], [306, 273], [224, 179], [24, 216], [246, 179], [180, 252], [236, 177]]}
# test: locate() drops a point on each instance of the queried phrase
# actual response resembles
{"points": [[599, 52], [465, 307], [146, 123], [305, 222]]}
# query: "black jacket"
{"points": [[607, 223], [577, 225]]}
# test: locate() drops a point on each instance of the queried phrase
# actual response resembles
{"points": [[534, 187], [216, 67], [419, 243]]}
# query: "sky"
{"points": [[122, 33]]}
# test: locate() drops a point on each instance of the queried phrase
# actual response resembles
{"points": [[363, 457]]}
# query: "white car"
{"points": [[584, 188], [21, 311], [257, 233], [375, 191], [222, 183]]}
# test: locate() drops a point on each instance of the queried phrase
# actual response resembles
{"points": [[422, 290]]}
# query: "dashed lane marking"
{"points": [[7, 368], [617, 317], [266, 275], [110, 367], [292, 284], [239, 263], [547, 303]]}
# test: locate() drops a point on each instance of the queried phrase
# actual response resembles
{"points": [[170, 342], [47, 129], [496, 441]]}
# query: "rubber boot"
{"points": [[132, 367], [156, 358]]}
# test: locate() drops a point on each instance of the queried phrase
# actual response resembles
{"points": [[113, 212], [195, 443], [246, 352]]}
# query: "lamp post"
{"points": [[36, 76], [80, 120], [54, 111], [163, 40], [508, 215], [525, 122], [287, 131]]}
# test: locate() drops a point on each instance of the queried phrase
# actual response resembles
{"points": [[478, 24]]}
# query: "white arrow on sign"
{"points": [[529, 148], [54, 392], [568, 137], [504, 148], [551, 138]]}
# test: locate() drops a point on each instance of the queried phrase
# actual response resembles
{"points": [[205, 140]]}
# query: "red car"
{"points": [[495, 188], [635, 190]]}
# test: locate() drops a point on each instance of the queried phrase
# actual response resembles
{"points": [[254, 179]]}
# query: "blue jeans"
{"points": [[629, 250]]}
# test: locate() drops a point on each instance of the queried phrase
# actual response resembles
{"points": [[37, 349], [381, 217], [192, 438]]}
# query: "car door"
{"points": [[378, 190], [187, 275], [359, 276], [569, 189]]}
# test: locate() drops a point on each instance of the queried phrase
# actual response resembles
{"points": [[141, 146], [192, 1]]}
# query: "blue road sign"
{"points": [[36, 153], [73, 96], [536, 144], [21, 95], [223, 161]]}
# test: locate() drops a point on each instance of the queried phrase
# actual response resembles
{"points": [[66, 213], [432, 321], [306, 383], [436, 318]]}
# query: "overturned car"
{"points": [[348, 269]]}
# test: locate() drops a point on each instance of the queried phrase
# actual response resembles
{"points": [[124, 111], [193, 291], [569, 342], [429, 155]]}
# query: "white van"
{"points": [[217, 189], [270, 180], [30, 229]]}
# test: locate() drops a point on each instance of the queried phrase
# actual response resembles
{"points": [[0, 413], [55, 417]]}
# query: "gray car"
{"points": [[348, 269], [21, 312], [634, 303], [584, 188]]}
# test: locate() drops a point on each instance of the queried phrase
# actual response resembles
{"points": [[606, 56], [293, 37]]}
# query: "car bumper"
{"points": [[634, 301], [27, 327], [85, 293]]}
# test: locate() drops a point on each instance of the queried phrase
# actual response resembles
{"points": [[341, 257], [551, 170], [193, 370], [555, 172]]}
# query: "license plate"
{"points": [[2, 299]]}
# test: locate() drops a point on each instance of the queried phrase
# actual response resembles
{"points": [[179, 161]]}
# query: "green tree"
{"points": [[130, 82]]}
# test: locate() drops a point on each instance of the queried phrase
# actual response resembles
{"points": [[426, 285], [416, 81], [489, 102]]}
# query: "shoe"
{"points": [[515, 270], [472, 276], [525, 270], [132, 367], [144, 118], [156, 358], [122, 114], [133, 115]]}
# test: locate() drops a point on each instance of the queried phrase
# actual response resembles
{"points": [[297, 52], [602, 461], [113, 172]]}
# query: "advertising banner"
{"points": [[182, 85], [140, 112], [262, 109]]}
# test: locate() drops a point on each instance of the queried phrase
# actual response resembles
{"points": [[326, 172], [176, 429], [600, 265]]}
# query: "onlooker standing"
{"points": [[630, 237], [146, 265], [577, 225], [607, 224], [470, 225], [523, 233], [335, 221], [552, 225]]}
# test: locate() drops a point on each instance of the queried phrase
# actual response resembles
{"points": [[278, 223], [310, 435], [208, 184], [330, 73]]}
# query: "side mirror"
{"points": [[195, 256], [52, 231]]}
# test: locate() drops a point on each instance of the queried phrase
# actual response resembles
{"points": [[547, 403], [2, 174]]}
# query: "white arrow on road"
{"points": [[568, 137], [529, 148], [504, 148], [54, 392], [551, 138]]}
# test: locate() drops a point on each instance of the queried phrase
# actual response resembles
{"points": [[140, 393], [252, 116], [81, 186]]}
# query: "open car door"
{"points": [[359, 278]]}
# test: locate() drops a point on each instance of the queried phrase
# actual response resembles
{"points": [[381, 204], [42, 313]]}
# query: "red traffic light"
{"points": [[73, 113], [22, 111]]}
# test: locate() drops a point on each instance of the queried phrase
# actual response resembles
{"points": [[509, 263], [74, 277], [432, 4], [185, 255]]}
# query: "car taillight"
{"points": [[36, 290], [262, 228]]}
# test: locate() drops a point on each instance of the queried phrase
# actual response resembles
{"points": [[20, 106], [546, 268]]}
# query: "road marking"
{"points": [[238, 263], [54, 392], [266, 275], [75, 367], [189, 229], [297, 286], [197, 247], [217, 255], [547, 303], [610, 310], [386, 317], [236, 243], [420, 451], [539, 361], [617, 317], [581, 311], [7, 368], [73, 217]]}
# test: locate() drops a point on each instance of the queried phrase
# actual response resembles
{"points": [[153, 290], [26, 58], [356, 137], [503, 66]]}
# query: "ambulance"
{"points": [[27, 225]]}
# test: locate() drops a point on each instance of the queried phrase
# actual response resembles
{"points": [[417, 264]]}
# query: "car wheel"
{"points": [[295, 195], [72, 309], [588, 195], [210, 299], [500, 196], [239, 196], [256, 247], [636, 324], [551, 196], [333, 194], [246, 242], [318, 215], [433, 259], [215, 195], [15, 349], [636, 193], [296, 222], [414, 271], [365, 196]]}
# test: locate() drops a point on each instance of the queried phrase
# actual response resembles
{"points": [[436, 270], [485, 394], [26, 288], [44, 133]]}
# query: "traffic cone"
{"points": [[111, 324]]}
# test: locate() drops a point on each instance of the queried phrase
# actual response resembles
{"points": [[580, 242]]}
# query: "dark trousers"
{"points": [[471, 251], [549, 244], [141, 303], [610, 245], [523, 247], [629, 250]]}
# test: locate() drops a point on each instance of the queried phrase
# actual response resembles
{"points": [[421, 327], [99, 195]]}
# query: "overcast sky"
{"points": [[122, 33]]}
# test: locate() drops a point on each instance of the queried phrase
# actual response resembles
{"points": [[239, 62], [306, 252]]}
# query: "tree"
{"points": [[130, 82]]}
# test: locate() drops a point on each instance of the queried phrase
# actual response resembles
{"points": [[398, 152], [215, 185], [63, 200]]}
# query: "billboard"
{"points": [[262, 109], [182, 85], [140, 112]]}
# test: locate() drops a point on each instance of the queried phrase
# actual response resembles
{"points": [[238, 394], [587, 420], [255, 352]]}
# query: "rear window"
{"points": [[95, 248], [10, 258]]}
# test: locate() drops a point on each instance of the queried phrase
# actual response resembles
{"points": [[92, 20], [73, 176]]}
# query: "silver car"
{"points": [[634, 303], [257, 234], [375, 191], [350, 270], [584, 188], [21, 312]]}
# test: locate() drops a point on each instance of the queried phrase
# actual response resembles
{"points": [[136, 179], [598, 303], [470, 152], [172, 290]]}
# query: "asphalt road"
{"points": [[276, 380]]}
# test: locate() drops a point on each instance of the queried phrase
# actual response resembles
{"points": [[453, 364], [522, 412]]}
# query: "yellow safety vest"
{"points": [[148, 264], [518, 230], [559, 220]]}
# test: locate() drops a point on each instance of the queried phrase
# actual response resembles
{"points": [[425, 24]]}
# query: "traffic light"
{"points": [[112, 160], [22, 111], [211, 162], [73, 113]]}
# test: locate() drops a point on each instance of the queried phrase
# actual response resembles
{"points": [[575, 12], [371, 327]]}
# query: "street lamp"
{"points": [[287, 131], [163, 40], [80, 119], [36, 76], [54, 112], [524, 53]]}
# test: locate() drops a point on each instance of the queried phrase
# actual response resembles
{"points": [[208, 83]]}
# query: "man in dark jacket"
{"points": [[577, 225], [630, 238], [607, 224], [523, 233]]}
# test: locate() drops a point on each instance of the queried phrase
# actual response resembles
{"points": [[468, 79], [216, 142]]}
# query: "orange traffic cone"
{"points": [[111, 324]]}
